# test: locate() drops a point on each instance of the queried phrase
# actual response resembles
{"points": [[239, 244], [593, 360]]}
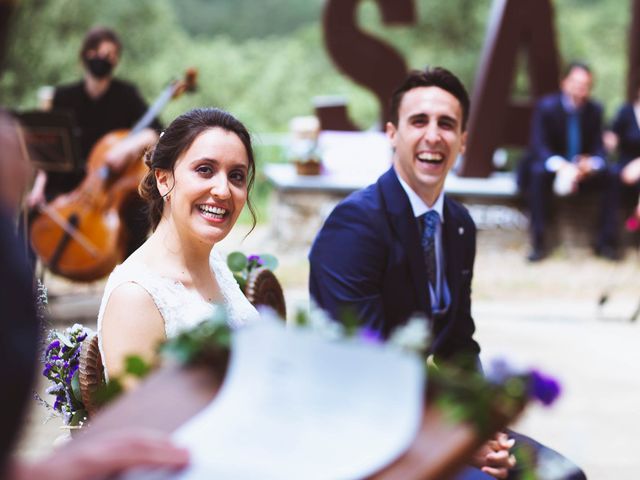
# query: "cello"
{"points": [[80, 235]]}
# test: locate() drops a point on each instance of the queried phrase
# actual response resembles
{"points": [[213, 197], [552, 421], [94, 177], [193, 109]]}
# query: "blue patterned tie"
{"points": [[430, 221], [573, 135]]}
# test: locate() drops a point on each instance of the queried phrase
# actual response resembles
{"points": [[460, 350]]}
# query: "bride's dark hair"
{"points": [[176, 139]]}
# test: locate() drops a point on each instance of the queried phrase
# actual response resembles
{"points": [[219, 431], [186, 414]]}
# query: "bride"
{"points": [[200, 175]]}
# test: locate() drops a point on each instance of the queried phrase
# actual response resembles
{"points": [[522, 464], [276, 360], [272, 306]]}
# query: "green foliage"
{"points": [[241, 265], [242, 19], [265, 60], [209, 342], [266, 72], [466, 396], [237, 261]]}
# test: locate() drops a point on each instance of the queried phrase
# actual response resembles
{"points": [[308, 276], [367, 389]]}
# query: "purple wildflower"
{"points": [[81, 337], [544, 388], [47, 369], [368, 335], [55, 389], [52, 345], [255, 259]]}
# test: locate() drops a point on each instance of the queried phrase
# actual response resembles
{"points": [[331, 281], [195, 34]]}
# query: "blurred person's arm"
{"points": [[130, 149], [103, 456]]}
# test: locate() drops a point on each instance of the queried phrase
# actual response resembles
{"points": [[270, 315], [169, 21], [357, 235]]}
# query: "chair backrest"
{"points": [[91, 373], [263, 288]]}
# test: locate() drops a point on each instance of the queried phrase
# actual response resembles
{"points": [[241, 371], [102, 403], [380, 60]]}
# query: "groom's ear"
{"points": [[164, 181]]}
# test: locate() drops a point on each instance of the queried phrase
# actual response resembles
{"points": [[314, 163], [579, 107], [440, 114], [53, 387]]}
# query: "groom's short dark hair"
{"points": [[431, 77]]}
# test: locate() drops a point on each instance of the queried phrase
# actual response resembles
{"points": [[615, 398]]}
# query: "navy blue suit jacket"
{"points": [[549, 129], [368, 257]]}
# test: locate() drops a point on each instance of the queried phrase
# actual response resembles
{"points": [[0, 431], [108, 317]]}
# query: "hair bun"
{"points": [[148, 157]]}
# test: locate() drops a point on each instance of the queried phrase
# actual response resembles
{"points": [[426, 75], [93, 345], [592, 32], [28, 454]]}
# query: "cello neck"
{"points": [[154, 110], [174, 90]]}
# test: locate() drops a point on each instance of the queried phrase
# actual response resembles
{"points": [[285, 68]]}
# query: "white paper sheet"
{"points": [[297, 406]]}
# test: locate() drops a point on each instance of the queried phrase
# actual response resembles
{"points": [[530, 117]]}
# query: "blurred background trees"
{"points": [[264, 59]]}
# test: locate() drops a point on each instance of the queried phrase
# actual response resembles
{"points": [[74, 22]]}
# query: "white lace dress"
{"points": [[180, 307]]}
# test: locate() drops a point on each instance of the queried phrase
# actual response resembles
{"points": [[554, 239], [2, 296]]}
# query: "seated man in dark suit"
{"points": [[625, 138], [566, 155], [402, 246]]}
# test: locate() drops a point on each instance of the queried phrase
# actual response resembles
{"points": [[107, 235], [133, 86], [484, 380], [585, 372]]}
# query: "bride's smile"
{"points": [[209, 186]]}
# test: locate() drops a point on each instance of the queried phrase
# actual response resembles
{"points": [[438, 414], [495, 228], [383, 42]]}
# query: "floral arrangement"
{"points": [[61, 362], [462, 394], [241, 265], [470, 396]]}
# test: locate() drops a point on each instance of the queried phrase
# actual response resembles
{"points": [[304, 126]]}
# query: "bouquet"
{"points": [[61, 363]]}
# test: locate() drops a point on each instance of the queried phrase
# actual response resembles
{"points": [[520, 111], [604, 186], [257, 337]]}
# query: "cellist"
{"points": [[100, 104]]}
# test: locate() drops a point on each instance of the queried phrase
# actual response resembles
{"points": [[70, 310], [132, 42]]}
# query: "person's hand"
{"points": [[610, 141], [120, 155], [566, 181], [494, 457], [585, 167], [630, 174], [129, 150], [35, 198], [106, 455]]}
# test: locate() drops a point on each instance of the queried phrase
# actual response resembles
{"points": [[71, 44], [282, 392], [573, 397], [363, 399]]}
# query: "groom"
{"points": [[402, 246]]}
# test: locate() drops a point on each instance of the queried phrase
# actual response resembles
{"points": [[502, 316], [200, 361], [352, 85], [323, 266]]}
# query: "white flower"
{"points": [[319, 321], [413, 336]]}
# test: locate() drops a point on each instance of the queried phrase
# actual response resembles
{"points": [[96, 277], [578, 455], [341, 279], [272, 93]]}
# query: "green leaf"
{"points": [[301, 318], [108, 391], [269, 261], [78, 417], [75, 386], [237, 261], [242, 282], [136, 366]]}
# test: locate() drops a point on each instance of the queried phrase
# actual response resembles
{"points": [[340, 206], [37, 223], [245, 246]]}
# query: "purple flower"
{"points": [[256, 259], [52, 345], [81, 337], [368, 335], [47, 369], [544, 388]]}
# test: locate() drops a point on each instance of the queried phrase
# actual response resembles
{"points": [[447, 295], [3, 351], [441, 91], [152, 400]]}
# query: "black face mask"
{"points": [[99, 67]]}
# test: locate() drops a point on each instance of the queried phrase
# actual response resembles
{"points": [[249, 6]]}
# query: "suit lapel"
{"points": [[403, 222]]}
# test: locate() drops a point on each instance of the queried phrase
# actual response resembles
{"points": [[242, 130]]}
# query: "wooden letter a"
{"points": [[495, 120]]}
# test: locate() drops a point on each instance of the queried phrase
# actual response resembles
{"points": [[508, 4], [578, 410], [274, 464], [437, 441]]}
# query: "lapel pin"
{"points": [[460, 230]]}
